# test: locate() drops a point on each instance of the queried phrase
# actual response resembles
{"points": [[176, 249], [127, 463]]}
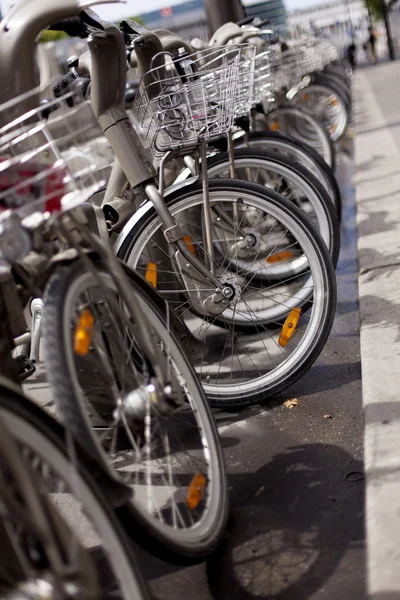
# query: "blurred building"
{"points": [[189, 18], [273, 10], [336, 20]]}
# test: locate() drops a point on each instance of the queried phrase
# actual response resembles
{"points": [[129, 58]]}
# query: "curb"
{"points": [[377, 182]]}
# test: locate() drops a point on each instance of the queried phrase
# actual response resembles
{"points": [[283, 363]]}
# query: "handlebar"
{"points": [[245, 21], [74, 27], [264, 22], [80, 26]]}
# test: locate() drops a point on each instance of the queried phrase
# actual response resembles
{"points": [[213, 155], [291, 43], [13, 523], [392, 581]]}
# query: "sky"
{"points": [[135, 7], [113, 12]]}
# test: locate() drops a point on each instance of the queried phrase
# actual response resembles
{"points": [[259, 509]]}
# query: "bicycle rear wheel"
{"points": [[80, 510], [168, 454]]}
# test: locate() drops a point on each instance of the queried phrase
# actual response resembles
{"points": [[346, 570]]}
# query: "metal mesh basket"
{"points": [[255, 81], [187, 99], [53, 155], [289, 67]]}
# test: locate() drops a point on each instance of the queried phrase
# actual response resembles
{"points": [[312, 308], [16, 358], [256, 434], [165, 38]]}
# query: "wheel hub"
{"points": [[145, 399]]}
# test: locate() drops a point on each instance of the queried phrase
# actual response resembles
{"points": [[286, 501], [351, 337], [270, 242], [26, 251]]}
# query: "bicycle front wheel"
{"points": [[328, 106], [303, 125], [168, 455], [301, 153], [291, 180], [279, 269]]}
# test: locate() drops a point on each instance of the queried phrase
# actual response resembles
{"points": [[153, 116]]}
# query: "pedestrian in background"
{"points": [[372, 45], [351, 53]]}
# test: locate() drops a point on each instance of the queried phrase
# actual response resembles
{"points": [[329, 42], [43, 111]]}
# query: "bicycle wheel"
{"points": [[81, 513], [327, 105], [338, 84], [301, 153], [291, 180], [342, 70], [304, 126], [267, 234], [169, 455]]}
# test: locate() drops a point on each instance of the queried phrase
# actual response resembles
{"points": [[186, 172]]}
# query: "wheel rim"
{"points": [[150, 461], [215, 332]]}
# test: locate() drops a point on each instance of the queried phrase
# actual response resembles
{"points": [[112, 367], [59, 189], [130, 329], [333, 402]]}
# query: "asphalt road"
{"points": [[296, 528], [295, 475]]}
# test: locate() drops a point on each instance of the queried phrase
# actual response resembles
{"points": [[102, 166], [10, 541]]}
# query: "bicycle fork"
{"points": [[206, 292]]}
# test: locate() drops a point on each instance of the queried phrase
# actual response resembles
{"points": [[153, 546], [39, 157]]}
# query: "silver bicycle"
{"points": [[112, 351]]}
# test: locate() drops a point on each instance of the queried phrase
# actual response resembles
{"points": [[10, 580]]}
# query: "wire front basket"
{"points": [[53, 155], [187, 99], [255, 81]]}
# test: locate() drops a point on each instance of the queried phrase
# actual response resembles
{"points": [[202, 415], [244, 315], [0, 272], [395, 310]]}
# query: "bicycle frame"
{"points": [[108, 76], [107, 45]]}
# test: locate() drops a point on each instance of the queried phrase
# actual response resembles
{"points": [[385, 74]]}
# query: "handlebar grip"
{"points": [[245, 21], [60, 86], [73, 26], [132, 27], [70, 83]]}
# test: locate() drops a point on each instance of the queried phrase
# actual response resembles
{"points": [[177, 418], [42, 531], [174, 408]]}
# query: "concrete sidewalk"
{"points": [[377, 156]]}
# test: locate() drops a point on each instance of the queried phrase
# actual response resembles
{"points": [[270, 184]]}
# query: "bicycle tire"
{"points": [[185, 544], [36, 430], [304, 154], [324, 146], [255, 388]]}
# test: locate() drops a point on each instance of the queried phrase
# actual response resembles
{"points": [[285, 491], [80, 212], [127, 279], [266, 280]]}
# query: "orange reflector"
{"points": [[189, 243], [83, 333], [284, 255], [289, 326], [306, 96], [195, 491], [333, 100], [151, 274], [275, 126], [332, 128]]}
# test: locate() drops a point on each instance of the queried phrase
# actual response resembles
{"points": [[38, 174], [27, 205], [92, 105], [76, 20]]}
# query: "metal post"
{"points": [[349, 18], [369, 14], [220, 12], [385, 13]]}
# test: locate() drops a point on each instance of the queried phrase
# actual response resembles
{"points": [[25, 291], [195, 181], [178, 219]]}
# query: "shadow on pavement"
{"points": [[292, 522], [288, 535], [325, 377]]}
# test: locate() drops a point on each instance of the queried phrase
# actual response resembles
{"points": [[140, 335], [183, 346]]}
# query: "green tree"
{"points": [[375, 9], [138, 19], [51, 36]]}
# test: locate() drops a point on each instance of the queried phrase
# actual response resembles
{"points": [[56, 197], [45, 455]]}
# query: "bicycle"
{"points": [[153, 393], [248, 386]]}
